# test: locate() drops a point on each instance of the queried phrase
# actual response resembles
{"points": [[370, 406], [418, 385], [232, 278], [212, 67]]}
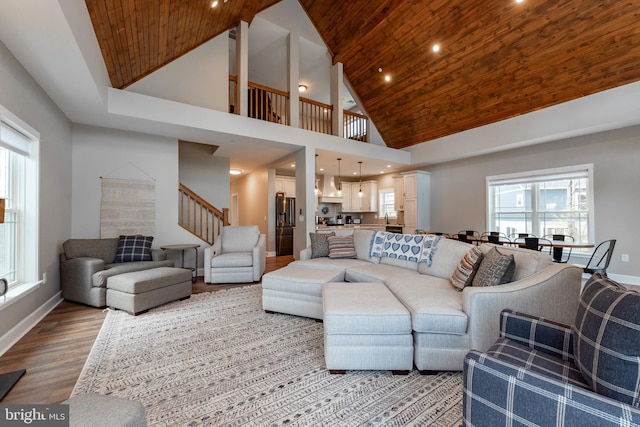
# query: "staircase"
{"points": [[199, 217]]}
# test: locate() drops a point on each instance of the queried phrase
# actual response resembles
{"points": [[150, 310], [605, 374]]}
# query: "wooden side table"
{"points": [[182, 248]]}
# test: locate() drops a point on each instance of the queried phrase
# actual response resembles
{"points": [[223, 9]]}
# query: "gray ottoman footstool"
{"points": [[138, 291], [97, 410], [297, 290], [365, 328]]}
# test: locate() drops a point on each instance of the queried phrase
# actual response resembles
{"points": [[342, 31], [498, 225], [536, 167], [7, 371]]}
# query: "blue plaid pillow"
{"points": [[134, 248], [606, 339]]}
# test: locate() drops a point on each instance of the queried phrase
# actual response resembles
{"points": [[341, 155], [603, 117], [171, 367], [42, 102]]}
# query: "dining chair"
{"points": [[463, 237], [472, 236], [533, 243], [518, 238], [495, 237], [559, 253], [600, 257]]}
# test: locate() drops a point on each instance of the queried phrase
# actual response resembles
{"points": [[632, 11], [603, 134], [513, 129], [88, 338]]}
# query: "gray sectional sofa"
{"points": [[446, 322], [87, 264]]}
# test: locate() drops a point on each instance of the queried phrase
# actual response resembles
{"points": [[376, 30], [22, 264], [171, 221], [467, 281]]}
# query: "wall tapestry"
{"points": [[127, 207]]}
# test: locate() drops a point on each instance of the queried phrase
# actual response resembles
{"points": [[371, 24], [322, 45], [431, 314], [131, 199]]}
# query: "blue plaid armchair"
{"points": [[529, 377]]}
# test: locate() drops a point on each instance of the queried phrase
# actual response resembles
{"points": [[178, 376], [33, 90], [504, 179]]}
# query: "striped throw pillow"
{"points": [[466, 269], [341, 247]]}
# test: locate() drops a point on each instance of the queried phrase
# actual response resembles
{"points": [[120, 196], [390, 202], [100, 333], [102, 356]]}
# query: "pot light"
{"points": [[436, 48], [235, 171], [387, 78], [214, 3]]}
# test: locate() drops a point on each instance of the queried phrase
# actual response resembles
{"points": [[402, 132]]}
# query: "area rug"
{"points": [[217, 359]]}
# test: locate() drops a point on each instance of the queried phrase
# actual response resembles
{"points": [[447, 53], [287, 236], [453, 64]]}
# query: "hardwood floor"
{"points": [[55, 350]]}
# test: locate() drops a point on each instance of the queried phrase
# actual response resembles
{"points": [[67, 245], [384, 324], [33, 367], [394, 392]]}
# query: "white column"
{"points": [[337, 85], [242, 67], [293, 62]]}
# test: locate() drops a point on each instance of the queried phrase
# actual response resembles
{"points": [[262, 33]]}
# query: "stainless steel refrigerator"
{"points": [[285, 223]]}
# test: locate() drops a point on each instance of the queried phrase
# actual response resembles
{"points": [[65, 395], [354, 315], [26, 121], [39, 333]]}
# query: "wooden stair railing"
{"points": [[356, 126], [315, 116], [199, 217], [272, 105]]}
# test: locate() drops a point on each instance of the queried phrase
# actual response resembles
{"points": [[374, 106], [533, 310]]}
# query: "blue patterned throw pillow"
{"points": [[407, 247], [134, 248], [606, 338], [377, 244]]}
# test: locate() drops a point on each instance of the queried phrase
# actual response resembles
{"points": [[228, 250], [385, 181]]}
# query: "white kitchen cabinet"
{"points": [[286, 185], [368, 203], [398, 193], [417, 194], [370, 199], [347, 206]]}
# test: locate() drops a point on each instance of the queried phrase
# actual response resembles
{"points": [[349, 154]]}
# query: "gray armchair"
{"points": [[237, 256], [86, 264]]}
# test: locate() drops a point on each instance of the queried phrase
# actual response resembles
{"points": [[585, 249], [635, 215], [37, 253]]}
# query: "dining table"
{"points": [[565, 244], [542, 242]]}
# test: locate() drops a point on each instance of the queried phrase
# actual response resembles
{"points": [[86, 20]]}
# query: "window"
{"points": [[387, 204], [551, 201], [18, 186]]}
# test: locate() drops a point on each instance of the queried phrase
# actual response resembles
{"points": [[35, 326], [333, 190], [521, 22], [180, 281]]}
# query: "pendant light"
{"points": [[339, 186], [360, 193]]}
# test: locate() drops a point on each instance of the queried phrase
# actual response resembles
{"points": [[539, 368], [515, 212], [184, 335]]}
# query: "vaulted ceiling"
{"points": [[497, 58]]}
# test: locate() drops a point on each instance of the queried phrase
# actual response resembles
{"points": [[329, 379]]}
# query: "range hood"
{"points": [[329, 190]]}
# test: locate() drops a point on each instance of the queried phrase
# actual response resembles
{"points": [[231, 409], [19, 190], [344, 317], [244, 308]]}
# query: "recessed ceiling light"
{"points": [[436, 47], [321, 169], [380, 69], [388, 166], [381, 172], [235, 171], [214, 3], [387, 78], [519, 1]]}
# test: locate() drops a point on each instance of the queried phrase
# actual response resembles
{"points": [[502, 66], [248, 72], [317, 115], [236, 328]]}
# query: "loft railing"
{"points": [[199, 217], [265, 103], [268, 104], [356, 126], [315, 116]]}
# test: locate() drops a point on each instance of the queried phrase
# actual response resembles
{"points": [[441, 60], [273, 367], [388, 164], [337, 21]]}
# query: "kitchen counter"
{"points": [[352, 226]]}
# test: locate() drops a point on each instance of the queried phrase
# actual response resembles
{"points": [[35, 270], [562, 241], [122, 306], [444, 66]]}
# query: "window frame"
{"points": [[23, 142], [393, 214], [535, 178]]}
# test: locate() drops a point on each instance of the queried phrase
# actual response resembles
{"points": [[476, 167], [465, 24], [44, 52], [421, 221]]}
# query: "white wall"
{"points": [[100, 152], [205, 174], [201, 77], [458, 188], [21, 95]]}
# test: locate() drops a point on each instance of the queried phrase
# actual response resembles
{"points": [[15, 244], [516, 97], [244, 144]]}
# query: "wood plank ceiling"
{"points": [[497, 59], [139, 36]]}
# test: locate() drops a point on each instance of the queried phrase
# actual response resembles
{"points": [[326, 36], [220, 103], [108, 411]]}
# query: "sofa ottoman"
{"points": [[138, 291], [365, 328], [297, 290]]}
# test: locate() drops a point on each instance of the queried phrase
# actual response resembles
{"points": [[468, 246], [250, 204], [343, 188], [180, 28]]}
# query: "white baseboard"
{"points": [[13, 336], [626, 280]]}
